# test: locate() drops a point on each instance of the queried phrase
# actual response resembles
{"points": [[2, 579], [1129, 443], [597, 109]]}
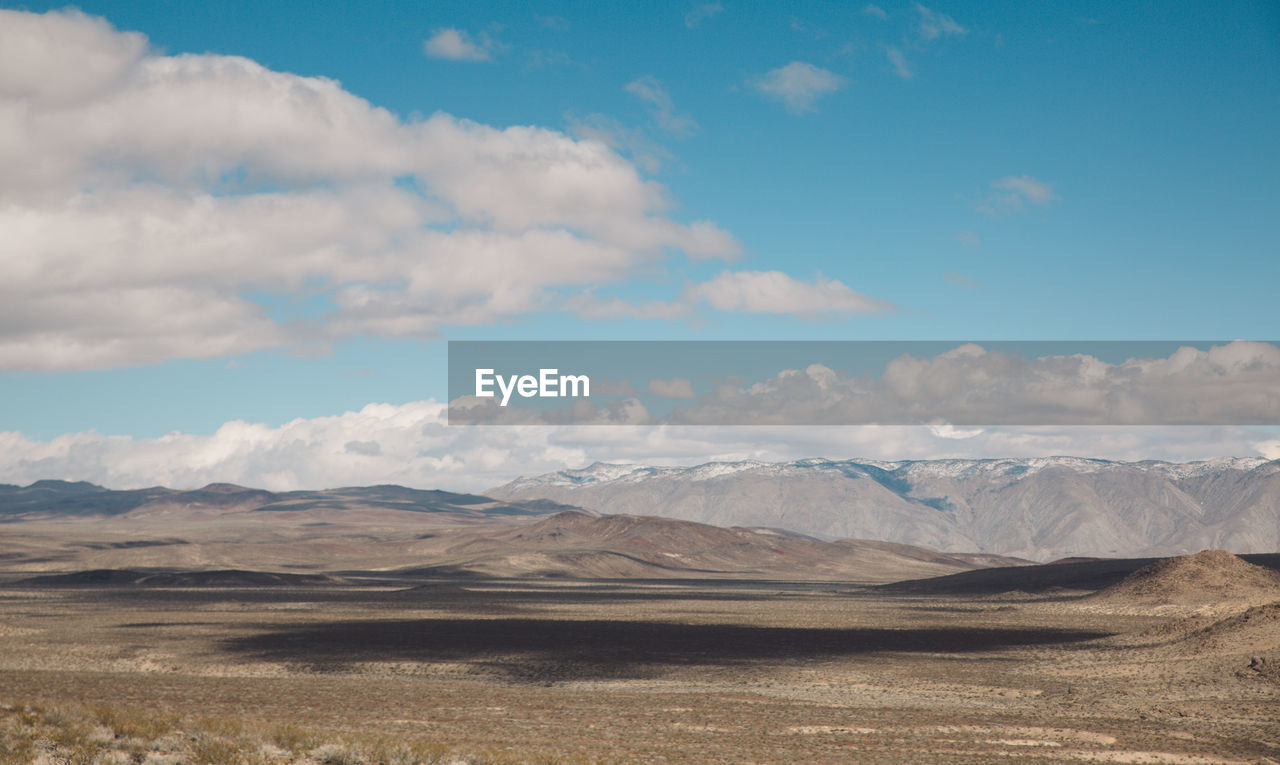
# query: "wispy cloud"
{"points": [[700, 13], [651, 91], [1028, 188], [778, 293], [558, 23], [968, 238], [633, 142], [960, 280], [457, 45], [875, 12], [747, 292], [934, 25], [899, 62], [798, 85], [1014, 193]]}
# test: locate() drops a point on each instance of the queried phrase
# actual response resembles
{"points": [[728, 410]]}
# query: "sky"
{"points": [[238, 236]]}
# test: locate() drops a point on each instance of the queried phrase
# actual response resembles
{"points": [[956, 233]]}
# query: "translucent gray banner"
{"points": [[864, 383]]}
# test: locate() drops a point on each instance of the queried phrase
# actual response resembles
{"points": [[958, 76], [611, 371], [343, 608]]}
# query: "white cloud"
{"points": [[635, 143], [701, 12], [875, 12], [1232, 384], [457, 45], [798, 85], [676, 387], [1016, 192], [778, 293], [772, 292], [589, 306], [934, 25], [650, 90], [147, 199], [1028, 188], [410, 444], [899, 61]]}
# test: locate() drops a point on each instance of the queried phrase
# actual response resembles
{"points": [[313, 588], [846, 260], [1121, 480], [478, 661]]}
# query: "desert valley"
{"points": [[385, 624]]}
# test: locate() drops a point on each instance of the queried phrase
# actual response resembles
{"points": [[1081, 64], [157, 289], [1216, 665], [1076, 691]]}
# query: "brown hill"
{"points": [[578, 544], [568, 544], [1255, 631], [60, 500], [1208, 577], [1079, 574]]}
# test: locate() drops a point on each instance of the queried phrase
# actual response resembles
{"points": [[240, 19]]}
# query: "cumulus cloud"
{"points": [[632, 142], [772, 292], [798, 85], [778, 293], [457, 45], [676, 387], [1233, 384], [590, 306], [651, 91], [410, 444], [700, 13], [151, 202], [934, 25], [1236, 384]]}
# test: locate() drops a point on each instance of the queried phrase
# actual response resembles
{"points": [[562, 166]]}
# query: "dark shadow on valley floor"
{"points": [[550, 650]]}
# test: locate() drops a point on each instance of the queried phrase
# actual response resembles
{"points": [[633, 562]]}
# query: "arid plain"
{"points": [[570, 637]]}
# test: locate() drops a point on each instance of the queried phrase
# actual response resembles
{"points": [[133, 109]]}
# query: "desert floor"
{"points": [[711, 671]]}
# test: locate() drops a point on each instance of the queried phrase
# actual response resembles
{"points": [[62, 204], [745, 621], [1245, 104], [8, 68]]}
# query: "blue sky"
{"points": [[886, 171]]}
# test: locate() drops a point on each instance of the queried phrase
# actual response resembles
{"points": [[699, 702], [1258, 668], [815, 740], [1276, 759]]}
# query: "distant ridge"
{"points": [[50, 499], [585, 545], [224, 578], [1042, 508]]}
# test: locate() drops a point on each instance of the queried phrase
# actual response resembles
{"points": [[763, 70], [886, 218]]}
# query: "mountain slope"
{"points": [[1039, 508]]}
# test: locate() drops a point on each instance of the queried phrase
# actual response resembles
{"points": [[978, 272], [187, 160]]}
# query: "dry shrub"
{"points": [[130, 722], [292, 738], [214, 750], [336, 754], [387, 751]]}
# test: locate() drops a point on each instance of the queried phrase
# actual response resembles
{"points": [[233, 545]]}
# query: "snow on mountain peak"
{"points": [[959, 469]]}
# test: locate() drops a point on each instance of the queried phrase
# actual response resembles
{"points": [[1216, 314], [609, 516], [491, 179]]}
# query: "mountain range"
{"points": [[53, 499], [79, 533], [1037, 508]]}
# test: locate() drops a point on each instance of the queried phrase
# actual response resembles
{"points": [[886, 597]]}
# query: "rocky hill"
{"points": [[1207, 577]]}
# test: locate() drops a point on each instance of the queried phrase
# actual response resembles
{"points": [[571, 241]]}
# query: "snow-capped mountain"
{"points": [[1041, 508]]}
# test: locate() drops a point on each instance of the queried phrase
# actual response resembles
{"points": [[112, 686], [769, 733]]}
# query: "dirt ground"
{"points": [[714, 671]]}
